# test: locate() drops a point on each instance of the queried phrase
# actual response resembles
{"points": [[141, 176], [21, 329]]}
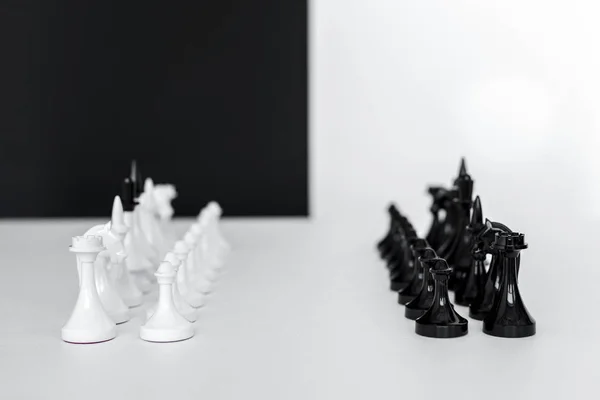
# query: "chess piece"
{"points": [[449, 225], [474, 283], [421, 303], [197, 279], [163, 196], [166, 324], [407, 294], [440, 320], [195, 299], [130, 294], [508, 316], [215, 212], [457, 250], [206, 261], [182, 306], [106, 260], [485, 299], [384, 244], [89, 322], [137, 262], [434, 235], [402, 271]]}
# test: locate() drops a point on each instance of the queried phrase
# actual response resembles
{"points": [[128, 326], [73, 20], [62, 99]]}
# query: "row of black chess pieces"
{"points": [[452, 257]]}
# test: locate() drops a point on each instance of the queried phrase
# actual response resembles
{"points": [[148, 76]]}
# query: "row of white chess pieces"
{"points": [[117, 261]]}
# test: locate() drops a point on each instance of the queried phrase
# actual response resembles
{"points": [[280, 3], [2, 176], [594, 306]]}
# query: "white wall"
{"points": [[400, 89]]}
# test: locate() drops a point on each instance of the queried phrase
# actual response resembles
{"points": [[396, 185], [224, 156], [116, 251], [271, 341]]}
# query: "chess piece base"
{"points": [[120, 317], [77, 336], [405, 298], [442, 331], [509, 331], [478, 315], [166, 335], [398, 286], [413, 313]]}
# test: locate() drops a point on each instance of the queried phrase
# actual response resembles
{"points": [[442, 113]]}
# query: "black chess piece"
{"points": [[390, 254], [383, 246], [445, 200], [485, 299], [440, 320], [450, 222], [128, 198], [457, 249], [402, 271], [411, 291], [434, 235], [137, 179], [420, 304], [468, 290], [508, 316]]}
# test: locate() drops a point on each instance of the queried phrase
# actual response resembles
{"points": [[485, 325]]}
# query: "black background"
{"points": [[208, 95]]}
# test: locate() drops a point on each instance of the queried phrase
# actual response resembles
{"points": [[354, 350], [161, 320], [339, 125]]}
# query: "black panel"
{"points": [[211, 96]]}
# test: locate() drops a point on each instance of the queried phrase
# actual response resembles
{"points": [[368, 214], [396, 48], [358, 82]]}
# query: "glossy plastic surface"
{"points": [[418, 248], [421, 303], [485, 299], [440, 320], [508, 316], [474, 283]]}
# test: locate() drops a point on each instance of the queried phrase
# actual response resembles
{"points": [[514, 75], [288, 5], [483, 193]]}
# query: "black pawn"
{"points": [[420, 304], [509, 317], [474, 283], [393, 253], [441, 321], [128, 195], [402, 271], [407, 294], [384, 245]]}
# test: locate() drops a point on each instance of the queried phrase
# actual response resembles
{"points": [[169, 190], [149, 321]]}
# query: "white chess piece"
{"points": [[138, 262], [132, 296], [149, 219], [195, 270], [182, 306], [193, 298], [206, 260], [89, 322], [107, 292], [163, 196], [215, 212], [166, 324]]}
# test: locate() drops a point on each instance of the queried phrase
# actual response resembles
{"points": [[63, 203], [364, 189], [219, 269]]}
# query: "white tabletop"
{"points": [[302, 311]]}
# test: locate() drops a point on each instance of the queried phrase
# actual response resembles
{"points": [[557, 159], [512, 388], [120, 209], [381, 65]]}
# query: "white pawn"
{"points": [[188, 312], [206, 261], [89, 323], [195, 270], [193, 298], [129, 292], [166, 324], [215, 211]]}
